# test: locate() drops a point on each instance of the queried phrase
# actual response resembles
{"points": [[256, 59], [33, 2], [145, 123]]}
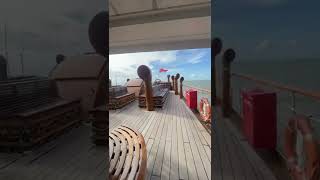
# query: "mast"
{"points": [[21, 61], [1, 40], [6, 48]]}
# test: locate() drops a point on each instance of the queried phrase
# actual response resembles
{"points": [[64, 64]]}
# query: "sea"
{"points": [[202, 84], [303, 74]]}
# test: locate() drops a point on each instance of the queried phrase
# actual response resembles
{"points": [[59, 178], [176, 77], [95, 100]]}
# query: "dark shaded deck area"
{"points": [[70, 156], [233, 157]]}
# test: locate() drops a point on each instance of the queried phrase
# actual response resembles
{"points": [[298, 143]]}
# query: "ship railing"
{"points": [[201, 93], [290, 101]]}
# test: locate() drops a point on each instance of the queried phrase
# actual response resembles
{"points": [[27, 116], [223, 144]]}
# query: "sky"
{"points": [[268, 29], [45, 29], [192, 64]]}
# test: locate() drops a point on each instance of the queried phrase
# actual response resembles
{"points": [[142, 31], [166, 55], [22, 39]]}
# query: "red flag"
{"points": [[163, 70]]}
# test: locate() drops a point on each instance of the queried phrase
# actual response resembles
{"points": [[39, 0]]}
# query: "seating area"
{"points": [[32, 112], [119, 97], [127, 154], [160, 94]]}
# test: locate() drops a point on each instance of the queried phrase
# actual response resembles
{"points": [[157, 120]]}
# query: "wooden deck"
{"points": [[178, 145], [70, 156], [233, 157]]}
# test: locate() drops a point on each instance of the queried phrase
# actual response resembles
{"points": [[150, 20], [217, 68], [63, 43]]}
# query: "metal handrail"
{"points": [[293, 90], [200, 89], [279, 86]]}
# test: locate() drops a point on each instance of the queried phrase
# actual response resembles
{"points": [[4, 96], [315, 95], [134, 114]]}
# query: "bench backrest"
{"points": [[117, 91], [22, 95]]}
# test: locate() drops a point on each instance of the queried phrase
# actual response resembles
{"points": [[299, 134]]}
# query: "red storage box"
{"points": [[191, 98], [259, 113]]}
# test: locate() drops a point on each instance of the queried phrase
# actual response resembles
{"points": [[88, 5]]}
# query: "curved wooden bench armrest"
{"points": [[127, 154]]}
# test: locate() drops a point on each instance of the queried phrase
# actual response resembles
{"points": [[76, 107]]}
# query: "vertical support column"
{"points": [[228, 57], [181, 92], [110, 84], [168, 76], [172, 78], [216, 45], [176, 84], [145, 74]]}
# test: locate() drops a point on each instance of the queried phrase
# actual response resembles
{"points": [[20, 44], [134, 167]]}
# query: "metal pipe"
{"points": [[181, 92], [172, 78], [144, 73], [176, 84], [216, 45], [228, 57]]}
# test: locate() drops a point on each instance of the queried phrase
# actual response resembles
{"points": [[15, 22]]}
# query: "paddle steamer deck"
{"points": [[178, 147]]}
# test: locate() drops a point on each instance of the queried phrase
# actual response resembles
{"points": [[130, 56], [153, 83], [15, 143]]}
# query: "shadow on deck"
{"points": [[70, 156], [233, 157]]}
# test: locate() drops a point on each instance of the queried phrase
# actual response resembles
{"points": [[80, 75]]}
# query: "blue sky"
{"points": [[268, 29], [192, 64]]}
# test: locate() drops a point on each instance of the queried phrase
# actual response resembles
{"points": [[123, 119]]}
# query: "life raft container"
{"points": [[311, 169], [205, 110]]}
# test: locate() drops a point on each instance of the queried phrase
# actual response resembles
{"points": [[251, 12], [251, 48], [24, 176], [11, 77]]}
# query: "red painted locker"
{"points": [[259, 114], [191, 98]]}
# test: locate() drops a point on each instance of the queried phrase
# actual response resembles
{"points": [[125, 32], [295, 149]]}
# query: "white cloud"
{"points": [[196, 56], [128, 63]]}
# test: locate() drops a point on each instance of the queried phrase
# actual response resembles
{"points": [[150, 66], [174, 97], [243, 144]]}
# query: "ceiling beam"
{"points": [[158, 36], [163, 14]]}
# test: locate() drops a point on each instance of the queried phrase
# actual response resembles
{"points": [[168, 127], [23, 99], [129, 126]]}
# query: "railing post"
{"points": [[172, 78], [228, 57], [145, 74], [181, 92], [216, 46], [176, 84]]}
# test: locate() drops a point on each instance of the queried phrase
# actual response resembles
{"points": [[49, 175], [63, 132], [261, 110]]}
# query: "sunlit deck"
{"points": [[178, 145], [70, 156]]}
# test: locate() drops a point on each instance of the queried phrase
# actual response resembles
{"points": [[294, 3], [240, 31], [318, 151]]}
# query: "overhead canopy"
{"points": [[154, 25]]}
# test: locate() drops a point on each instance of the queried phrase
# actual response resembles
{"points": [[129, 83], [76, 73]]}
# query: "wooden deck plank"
{"points": [[183, 172], [201, 169], [174, 160]]}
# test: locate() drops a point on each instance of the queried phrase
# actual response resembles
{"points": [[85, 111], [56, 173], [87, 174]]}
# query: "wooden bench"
{"points": [[160, 94], [119, 97], [32, 112], [127, 154]]}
